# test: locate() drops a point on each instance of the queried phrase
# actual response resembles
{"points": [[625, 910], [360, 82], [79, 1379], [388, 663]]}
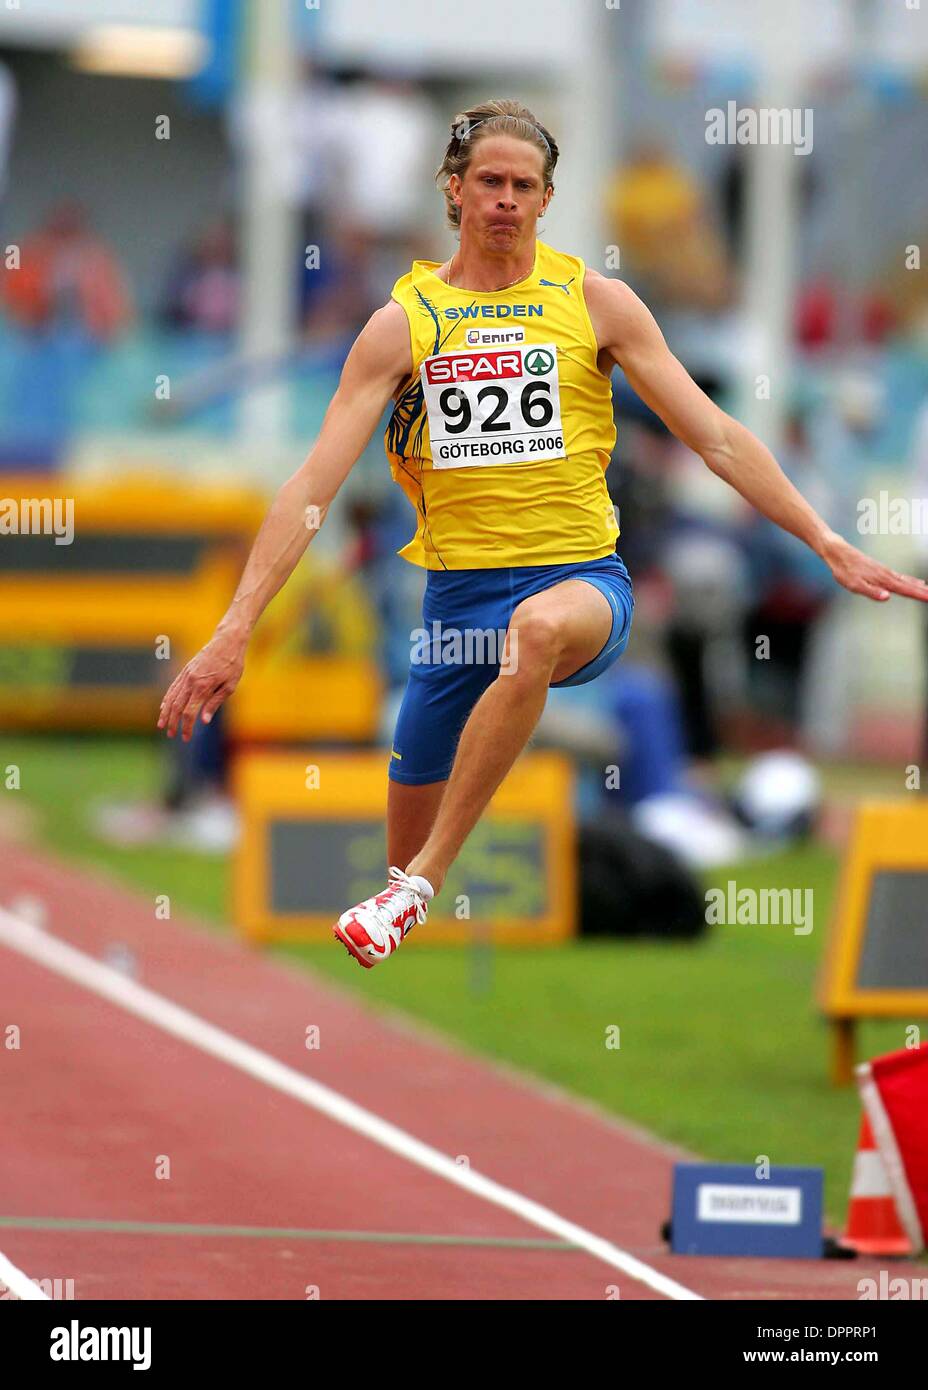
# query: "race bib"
{"points": [[493, 405]]}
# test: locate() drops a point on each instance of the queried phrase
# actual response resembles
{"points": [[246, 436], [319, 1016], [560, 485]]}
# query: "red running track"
{"points": [[295, 1204]]}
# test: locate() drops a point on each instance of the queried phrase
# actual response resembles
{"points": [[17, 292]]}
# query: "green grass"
{"points": [[61, 777], [721, 1048]]}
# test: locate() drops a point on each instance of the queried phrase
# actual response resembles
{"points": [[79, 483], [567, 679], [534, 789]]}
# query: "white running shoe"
{"points": [[374, 929]]}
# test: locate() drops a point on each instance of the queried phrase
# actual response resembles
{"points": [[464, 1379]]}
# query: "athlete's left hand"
{"points": [[863, 575]]}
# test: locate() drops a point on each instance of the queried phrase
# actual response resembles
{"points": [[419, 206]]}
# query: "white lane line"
{"points": [[18, 1283], [66, 960]]}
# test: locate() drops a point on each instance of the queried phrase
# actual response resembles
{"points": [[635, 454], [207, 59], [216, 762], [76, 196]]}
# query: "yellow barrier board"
{"points": [[147, 562], [334, 697], [313, 845], [876, 961], [97, 626]]}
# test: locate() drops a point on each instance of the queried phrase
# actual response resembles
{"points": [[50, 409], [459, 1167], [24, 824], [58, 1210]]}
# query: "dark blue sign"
{"points": [[726, 1209]]}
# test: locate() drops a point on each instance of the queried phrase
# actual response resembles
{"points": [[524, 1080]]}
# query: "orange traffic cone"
{"points": [[873, 1225]]}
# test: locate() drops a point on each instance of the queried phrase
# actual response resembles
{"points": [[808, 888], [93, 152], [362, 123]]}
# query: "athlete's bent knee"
{"points": [[534, 643]]}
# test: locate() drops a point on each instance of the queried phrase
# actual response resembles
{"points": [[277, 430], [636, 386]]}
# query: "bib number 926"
{"points": [[493, 406]]}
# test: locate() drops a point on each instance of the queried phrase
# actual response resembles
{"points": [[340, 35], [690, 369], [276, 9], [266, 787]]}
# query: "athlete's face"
{"points": [[502, 193]]}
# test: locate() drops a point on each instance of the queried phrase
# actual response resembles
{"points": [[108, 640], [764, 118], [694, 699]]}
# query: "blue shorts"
{"points": [[456, 654]]}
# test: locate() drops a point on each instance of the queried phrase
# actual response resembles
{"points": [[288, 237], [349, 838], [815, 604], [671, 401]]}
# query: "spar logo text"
{"points": [[472, 366]]}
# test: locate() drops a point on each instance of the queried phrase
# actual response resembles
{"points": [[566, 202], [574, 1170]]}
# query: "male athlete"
{"points": [[498, 363]]}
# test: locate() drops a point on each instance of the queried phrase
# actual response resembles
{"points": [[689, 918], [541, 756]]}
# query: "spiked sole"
{"points": [[349, 947]]}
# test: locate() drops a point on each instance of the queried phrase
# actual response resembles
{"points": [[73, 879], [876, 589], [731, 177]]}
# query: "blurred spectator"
{"points": [[378, 527], [792, 589], [665, 233], [639, 480], [366, 144], [704, 563], [363, 151], [70, 300], [204, 285], [337, 295], [685, 558], [625, 732], [373, 142], [197, 768], [828, 311], [68, 278]]}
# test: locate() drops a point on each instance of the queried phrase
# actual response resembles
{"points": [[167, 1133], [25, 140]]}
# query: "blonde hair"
{"points": [[490, 118]]}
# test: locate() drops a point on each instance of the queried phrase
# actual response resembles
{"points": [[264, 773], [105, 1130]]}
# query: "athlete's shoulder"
{"points": [[607, 289], [606, 295], [616, 313], [386, 321]]}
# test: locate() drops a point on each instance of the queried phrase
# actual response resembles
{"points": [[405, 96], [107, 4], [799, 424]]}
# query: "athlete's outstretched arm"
{"points": [[379, 359], [627, 330]]}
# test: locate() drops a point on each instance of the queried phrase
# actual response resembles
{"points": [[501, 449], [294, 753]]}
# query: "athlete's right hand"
{"points": [[203, 684]]}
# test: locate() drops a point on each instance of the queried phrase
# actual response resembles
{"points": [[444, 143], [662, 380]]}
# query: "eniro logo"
{"points": [[493, 337]]}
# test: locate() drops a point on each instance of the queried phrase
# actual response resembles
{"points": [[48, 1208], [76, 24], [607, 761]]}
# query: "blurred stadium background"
{"points": [[201, 202]]}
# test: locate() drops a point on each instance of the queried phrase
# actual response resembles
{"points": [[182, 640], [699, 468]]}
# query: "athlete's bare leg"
{"points": [[554, 634], [411, 813]]}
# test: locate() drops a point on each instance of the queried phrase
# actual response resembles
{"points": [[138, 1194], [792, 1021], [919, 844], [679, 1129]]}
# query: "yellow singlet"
{"points": [[501, 436]]}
